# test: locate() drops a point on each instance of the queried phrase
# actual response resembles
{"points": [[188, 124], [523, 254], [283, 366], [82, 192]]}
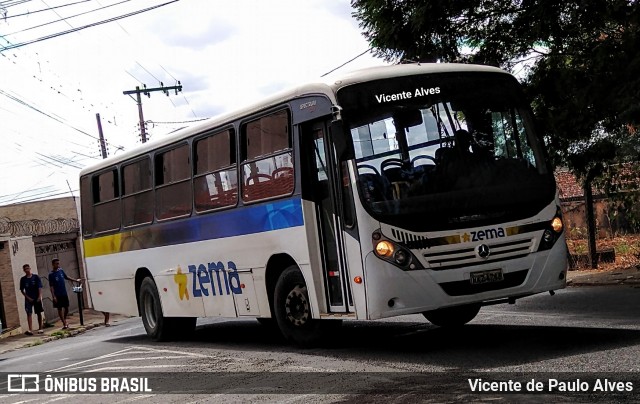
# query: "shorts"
{"points": [[61, 302], [31, 306]]}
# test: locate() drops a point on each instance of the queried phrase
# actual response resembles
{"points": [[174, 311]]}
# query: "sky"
{"points": [[64, 61]]}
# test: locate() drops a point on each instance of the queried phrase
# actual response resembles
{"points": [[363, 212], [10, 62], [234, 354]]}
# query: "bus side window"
{"points": [[137, 199], [215, 180], [106, 194], [86, 202], [173, 185], [267, 168]]}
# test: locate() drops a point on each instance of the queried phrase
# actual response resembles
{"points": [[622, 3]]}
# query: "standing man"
{"points": [[59, 291], [31, 289]]}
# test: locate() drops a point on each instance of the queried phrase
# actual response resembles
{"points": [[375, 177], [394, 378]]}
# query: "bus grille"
{"points": [[464, 257]]}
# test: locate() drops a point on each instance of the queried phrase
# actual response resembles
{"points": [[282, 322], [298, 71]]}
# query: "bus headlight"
{"points": [[394, 252], [384, 249], [556, 224], [552, 232], [401, 257]]}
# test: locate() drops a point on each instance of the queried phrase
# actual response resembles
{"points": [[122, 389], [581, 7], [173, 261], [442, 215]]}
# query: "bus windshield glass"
{"points": [[446, 150]]}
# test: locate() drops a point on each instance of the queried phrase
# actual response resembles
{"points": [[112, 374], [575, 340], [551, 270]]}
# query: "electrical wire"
{"points": [[50, 116], [66, 18], [347, 62], [28, 13], [61, 33]]}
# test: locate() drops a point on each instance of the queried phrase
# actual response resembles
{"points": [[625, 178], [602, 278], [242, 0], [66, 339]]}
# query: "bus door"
{"points": [[326, 180]]}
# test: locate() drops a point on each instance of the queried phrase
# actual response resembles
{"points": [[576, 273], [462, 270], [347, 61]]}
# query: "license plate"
{"points": [[492, 275]]}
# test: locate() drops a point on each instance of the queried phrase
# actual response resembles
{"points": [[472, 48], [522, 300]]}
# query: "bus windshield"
{"points": [[446, 150]]}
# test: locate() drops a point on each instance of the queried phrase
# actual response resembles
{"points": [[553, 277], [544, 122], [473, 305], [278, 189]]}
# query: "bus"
{"points": [[389, 191]]}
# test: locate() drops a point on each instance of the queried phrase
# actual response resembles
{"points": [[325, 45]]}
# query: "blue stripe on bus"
{"points": [[237, 222]]}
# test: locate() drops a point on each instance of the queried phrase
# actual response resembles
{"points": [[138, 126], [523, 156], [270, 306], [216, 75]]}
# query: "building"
{"points": [[35, 233]]}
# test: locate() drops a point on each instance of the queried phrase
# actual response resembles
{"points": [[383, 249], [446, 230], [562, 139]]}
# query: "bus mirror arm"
{"points": [[342, 140]]}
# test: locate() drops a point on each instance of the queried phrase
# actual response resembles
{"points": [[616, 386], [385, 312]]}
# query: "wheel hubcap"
{"points": [[297, 306]]}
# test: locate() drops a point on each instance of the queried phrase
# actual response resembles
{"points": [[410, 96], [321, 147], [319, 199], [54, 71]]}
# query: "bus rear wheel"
{"points": [[158, 327], [293, 311], [452, 316]]}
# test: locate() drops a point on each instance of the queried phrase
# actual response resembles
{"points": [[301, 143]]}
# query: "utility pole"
{"points": [[103, 145], [147, 91]]}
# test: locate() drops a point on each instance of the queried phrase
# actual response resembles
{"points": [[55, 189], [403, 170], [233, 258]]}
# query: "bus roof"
{"points": [[328, 88]]}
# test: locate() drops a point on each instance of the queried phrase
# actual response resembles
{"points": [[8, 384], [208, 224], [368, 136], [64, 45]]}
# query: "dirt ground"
{"points": [[626, 248], [624, 270]]}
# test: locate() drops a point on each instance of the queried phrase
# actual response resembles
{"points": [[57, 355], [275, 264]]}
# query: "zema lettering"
{"points": [[207, 279]]}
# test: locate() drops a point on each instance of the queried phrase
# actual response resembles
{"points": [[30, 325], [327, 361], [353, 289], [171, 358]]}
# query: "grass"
{"points": [[61, 334], [35, 343]]}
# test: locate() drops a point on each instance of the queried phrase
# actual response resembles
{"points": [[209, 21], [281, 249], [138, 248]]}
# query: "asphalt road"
{"points": [[580, 335]]}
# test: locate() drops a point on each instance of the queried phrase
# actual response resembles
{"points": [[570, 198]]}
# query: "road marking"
{"points": [[122, 360], [297, 399], [128, 352], [117, 353], [109, 368], [26, 401], [141, 397], [61, 397]]}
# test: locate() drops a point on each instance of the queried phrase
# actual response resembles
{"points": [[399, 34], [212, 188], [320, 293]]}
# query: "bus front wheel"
{"points": [[452, 316], [293, 311], [158, 327]]}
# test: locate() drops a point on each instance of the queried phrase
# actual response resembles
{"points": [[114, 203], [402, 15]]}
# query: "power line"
{"points": [[44, 9], [41, 196], [6, 4], [347, 62], [173, 123], [66, 18], [150, 74], [50, 116], [44, 38]]}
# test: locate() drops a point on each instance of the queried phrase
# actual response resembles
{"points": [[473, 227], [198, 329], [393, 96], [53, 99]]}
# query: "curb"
{"points": [[623, 276], [59, 335]]}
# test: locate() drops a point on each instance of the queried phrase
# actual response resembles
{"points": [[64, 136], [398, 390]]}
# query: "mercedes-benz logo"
{"points": [[483, 251]]}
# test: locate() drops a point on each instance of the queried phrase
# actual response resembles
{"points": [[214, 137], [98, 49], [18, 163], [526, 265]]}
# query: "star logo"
{"points": [[181, 280]]}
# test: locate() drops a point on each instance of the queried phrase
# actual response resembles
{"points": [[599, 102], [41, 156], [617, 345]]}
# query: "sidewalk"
{"points": [[16, 339], [597, 277]]}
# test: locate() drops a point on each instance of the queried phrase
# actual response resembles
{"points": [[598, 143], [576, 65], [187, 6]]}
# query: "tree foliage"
{"points": [[579, 61]]}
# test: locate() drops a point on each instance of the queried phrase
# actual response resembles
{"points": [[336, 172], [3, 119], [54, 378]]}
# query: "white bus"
{"points": [[389, 191]]}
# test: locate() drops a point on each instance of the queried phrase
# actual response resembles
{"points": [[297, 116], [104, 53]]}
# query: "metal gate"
{"points": [[63, 249]]}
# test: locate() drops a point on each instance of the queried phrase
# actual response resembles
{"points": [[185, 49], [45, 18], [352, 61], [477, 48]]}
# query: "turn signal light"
{"points": [[556, 224]]}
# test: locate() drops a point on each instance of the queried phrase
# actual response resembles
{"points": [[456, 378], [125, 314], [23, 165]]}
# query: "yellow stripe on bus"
{"points": [[102, 245]]}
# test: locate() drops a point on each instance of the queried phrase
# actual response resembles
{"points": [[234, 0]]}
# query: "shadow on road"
{"points": [[474, 345]]}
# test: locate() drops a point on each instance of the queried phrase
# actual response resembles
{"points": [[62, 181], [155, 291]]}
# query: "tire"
{"points": [[267, 322], [293, 311], [158, 327], [452, 316]]}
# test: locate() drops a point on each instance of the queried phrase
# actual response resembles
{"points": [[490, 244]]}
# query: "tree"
{"points": [[578, 60]]}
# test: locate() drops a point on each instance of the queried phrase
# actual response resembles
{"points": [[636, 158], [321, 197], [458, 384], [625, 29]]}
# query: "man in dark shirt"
{"points": [[59, 291], [31, 289]]}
